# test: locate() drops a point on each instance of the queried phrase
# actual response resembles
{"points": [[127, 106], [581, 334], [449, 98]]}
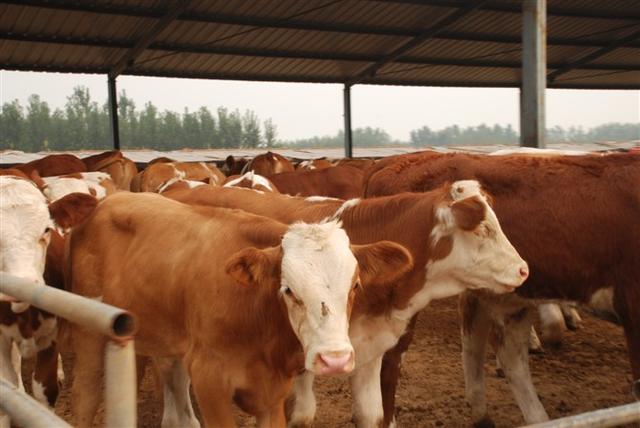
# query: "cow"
{"points": [[97, 184], [454, 239], [251, 180], [28, 223], [360, 163], [343, 182], [268, 164], [233, 165], [241, 302], [121, 169], [58, 164], [573, 218], [311, 164], [159, 177]]}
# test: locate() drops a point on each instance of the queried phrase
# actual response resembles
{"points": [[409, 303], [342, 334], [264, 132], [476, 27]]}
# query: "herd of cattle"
{"points": [[250, 278]]}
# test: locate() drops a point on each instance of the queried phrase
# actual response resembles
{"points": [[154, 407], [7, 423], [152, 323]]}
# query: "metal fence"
{"points": [[120, 366]]}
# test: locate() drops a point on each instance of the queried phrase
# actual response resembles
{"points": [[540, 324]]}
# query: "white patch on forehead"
{"points": [[320, 199], [465, 188], [344, 207]]}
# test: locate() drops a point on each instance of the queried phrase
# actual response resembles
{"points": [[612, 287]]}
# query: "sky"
{"points": [[302, 110]]}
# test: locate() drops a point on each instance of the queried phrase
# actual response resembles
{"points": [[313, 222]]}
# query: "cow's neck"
{"points": [[408, 220]]}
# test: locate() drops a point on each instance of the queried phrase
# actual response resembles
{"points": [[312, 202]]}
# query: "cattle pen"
{"points": [[531, 45]]}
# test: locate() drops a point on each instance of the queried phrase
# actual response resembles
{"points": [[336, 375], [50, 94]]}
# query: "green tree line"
{"points": [[84, 124]]}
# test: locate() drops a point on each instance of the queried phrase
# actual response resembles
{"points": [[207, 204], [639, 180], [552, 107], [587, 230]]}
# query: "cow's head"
{"points": [[468, 248], [316, 274], [27, 221]]}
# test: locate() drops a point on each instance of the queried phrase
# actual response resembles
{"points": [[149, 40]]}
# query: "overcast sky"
{"points": [[305, 110]]}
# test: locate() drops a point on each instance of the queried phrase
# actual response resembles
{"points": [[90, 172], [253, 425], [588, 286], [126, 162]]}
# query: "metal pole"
{"points": [[120, 385], [113, 113], [348, 137], [613, 416], [113, 322], [534, 70], [24, 411]]}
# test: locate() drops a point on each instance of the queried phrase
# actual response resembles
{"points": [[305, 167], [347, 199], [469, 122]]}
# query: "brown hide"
{"points": [[268, 164], [121, 169], [341, 182], [313, 164], [155, 176], [51, 165]]}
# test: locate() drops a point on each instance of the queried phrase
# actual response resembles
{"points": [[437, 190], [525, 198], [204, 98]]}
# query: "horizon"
{"points": [[302, 111]]}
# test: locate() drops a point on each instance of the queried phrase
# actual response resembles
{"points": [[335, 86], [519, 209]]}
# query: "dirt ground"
{"points": [[590, 371]]}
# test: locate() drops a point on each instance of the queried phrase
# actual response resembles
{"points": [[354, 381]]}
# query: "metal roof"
{"points": [[590, 43]]}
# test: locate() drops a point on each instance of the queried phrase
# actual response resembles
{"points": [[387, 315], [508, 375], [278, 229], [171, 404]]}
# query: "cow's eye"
{"points": [[357, 285], [47, 230], [287, 291]]}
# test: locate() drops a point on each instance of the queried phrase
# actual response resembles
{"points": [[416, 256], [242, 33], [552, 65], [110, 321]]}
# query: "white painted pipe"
{"points": [[113, 322], [25, 411], [120, 385], [612, 416]]}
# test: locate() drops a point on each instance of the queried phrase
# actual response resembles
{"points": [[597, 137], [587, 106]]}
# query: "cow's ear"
{"points": [[251, 266], [382, 262], [469, 212], [72, 210]]}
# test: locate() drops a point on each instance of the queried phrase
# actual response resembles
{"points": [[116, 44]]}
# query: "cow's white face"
{"points": [[25, 231], [476, 253], [318, 274]]}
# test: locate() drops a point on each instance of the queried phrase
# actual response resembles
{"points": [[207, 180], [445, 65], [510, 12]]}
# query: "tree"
{"points": [[208, 128], [12, 126], [270, 133], [251, 135]]}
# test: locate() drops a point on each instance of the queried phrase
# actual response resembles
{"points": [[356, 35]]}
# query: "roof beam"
{"points": [[128, 59], [581, 62], [290, 54], [515, 7], [441, 24], [298, 24]]}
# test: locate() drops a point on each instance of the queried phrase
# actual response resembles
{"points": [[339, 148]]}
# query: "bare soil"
{"points": [[589, 371]]}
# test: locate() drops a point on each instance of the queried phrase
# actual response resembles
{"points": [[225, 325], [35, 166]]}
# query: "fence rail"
{"points": [[610, 417], [120, 367]]}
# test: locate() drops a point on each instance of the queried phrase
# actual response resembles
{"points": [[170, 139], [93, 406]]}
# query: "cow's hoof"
{"points": [[636, 389], [485, 422]]}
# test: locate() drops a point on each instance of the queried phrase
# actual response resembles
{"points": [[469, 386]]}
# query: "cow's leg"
{"points": [[178, 411], [302, 401], [626, 300], [390, 373], [367, 396], [7, 372], [476, 325], [214, 398], [535, 346], [571, 315], [552, 321], [16, 362], [274, 418], [86, 391], [513, 352], [44, 382]]}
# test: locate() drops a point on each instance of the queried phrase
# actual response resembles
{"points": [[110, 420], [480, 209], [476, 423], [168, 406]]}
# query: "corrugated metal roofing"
{"points": [[330, 41]]}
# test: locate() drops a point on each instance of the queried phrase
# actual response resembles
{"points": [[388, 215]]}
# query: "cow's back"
{"points": [[341, 182]]}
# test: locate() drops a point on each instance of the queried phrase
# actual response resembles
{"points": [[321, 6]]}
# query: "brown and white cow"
{"points": [[58, 164], [159, 177], [341, 182], [573, 218], [456, 243], [120, 169], [96, 184], [244, 316], [251, 180], [233, 165], [312, 164], [27, 228], [268, 164]]}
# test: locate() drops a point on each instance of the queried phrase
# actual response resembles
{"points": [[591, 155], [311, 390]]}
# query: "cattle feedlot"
{"points": [[422, 289]]}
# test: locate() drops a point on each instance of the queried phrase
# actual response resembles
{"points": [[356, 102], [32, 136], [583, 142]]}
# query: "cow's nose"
{"points": [[334, 362], [524, 272]]}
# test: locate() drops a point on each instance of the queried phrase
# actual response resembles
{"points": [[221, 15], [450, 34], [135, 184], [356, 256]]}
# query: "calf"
{"points": [[574, 219], [342, 182], [243, 317], [268, 164], [25, 235], [58, 164], [456, 243], [158, 177], [120, 169]]}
